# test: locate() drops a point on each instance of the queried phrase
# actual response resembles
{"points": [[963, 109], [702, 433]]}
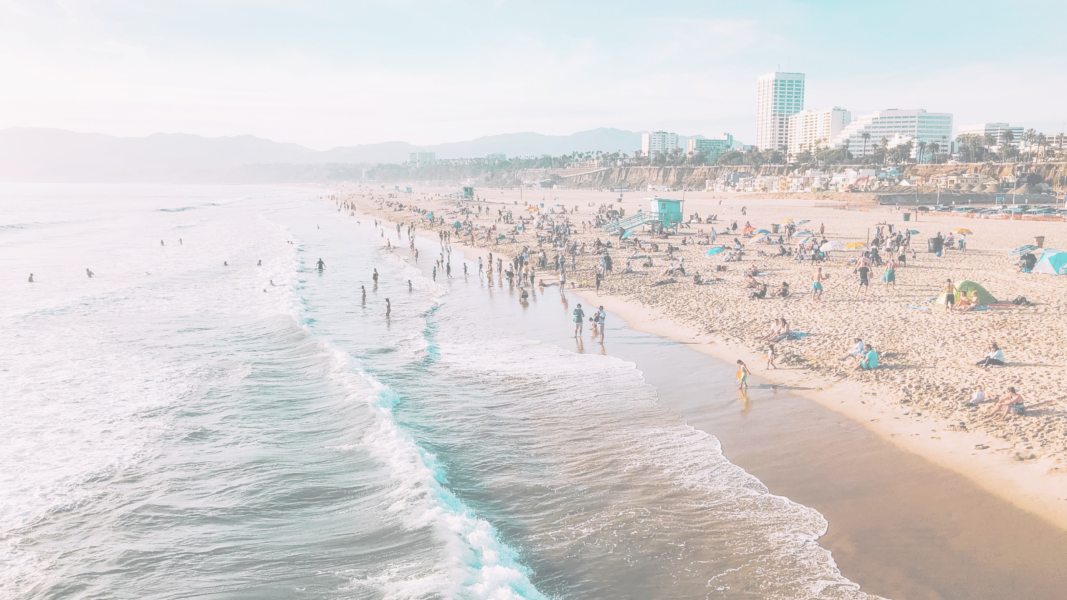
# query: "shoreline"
{"points": [[1030, 486]]}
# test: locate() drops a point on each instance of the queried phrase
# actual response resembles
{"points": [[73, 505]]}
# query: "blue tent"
{"points": [[1052, 262]]}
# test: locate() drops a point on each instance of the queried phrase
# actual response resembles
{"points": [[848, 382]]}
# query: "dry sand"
{"points": [[916, 399]]}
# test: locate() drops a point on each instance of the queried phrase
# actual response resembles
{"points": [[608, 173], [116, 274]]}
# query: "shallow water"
{"points": [[177, 428]]}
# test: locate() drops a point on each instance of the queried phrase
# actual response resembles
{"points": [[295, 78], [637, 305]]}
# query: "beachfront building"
{"points": [[895, 125], [814, 125], [1001, 132], [421, 159], [711, 149], [653, 142], [778, 97]]}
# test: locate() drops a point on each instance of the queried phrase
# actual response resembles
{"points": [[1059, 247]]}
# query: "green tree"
{"points": [[866, 136]]}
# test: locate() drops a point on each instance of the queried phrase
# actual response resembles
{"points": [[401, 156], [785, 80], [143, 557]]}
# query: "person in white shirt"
{"points": [[856, 352], [994, 358]]}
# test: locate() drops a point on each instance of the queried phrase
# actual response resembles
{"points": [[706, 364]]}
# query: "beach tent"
{"points": [[1052, 262], [457, 225], [714, 251]]}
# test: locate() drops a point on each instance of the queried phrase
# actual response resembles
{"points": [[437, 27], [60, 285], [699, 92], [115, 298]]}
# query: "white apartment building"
{"points": [[713, 148], [658, 141], [421, 159], [814, 124], [915, 123], [778, 97], [997, 130]]}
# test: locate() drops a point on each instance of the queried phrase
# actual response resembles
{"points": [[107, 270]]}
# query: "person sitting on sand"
{"points": [[774, 330], [760, 294], [752, 282], [994, 358], [869, 362], [856, 352], [966, 303], [1011, 402], [977, 397], [783, 291]]}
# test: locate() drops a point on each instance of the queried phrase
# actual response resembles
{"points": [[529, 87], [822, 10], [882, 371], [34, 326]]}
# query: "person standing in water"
{"points": [[321, 265], [579, 316], [409, 285], [89, 273], [742, 375], [363, 288], [388, 307], [602, 317], [160, 242], [31, 277], [375, 277]]}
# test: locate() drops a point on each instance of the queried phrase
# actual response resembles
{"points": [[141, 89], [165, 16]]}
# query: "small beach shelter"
{"points": [[668, 211], [1052, 262], [714, 251], [457, 225], [984, 297]]}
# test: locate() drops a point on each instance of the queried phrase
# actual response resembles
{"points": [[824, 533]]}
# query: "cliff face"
{"points": [[1053, 174], [640, 177]]}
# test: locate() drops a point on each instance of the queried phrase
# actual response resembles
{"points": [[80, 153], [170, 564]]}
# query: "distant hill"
{"points": [[30, 154]]}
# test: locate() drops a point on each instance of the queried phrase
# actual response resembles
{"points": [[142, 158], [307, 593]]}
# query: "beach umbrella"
{"points": [[787, 221], [758, 236], [714, 251], [804, 221], [963, 231], [855, 245], [457, 225], [748, 230], [800, 233], [834, 245], [1022, 250], [913, 231], [762, 231], [805, 240]]}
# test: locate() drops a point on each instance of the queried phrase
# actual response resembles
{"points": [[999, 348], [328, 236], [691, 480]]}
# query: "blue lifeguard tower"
{"points": [[663, 213]]}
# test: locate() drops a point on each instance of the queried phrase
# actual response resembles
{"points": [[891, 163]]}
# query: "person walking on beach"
{"points": [[890, 277], [865, 281], [579, 316], [416, 256], [770, 357], [435, 272], [479, 266], [816, 284], [742, 375]]}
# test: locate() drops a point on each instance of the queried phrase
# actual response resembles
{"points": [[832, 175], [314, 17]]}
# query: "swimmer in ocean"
{"points": [[388, 307], [364, 288], [321, 264], [160, 242], [259, 264], [31, 277], [375, 276], [225, 264], [409, 285], [89, 273]]}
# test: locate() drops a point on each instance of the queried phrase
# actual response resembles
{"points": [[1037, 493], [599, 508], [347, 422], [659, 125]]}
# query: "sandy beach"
{"points": [[916, 398]]}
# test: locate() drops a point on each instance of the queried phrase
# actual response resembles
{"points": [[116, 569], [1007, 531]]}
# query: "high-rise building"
{"points": [[658, 141], [421, 159], [918, 124], [712, 149], [812, 125], [999, 132], [778, 97]]}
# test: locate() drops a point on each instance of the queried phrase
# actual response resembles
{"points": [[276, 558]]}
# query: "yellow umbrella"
{"points": [[787, 221], [855, 245], [963, 231]]}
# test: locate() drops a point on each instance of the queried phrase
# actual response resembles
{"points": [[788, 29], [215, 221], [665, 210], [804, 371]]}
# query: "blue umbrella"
{"points": [[804, 221], [714, 251], [762, 231]]}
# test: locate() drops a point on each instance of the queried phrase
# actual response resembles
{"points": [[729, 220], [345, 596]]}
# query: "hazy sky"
{"points": [[324, 73]]}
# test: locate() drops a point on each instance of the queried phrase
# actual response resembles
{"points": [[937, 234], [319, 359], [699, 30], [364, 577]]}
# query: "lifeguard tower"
{"points": [[663, 213], [468, 191]]}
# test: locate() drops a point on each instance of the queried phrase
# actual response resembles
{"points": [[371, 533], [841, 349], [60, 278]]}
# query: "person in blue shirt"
{"points": [[869, 362], [579, 316]]}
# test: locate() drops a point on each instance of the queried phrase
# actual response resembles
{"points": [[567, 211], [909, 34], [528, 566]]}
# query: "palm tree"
{"points": [[922, 151], [1007, 137], [934, 148], [844, 149], [866, 136]]}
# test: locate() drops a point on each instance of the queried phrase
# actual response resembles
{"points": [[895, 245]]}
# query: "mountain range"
{"points": [[56, 155]]}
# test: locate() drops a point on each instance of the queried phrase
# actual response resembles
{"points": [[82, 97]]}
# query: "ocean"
{"points": [[211, 416]]}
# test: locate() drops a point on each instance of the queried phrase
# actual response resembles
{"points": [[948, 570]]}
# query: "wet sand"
{"points": [[899, 525]]}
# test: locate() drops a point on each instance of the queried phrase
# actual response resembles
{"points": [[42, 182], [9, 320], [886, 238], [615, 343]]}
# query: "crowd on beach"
{"points": [[714, 271]]}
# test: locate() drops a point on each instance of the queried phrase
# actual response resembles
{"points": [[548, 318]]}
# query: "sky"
{"points": [[326, 73]]}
